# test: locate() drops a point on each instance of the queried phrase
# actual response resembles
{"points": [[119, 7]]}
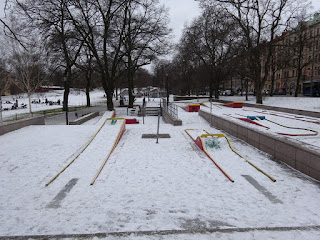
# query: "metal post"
{"points": [[167, 87], [158, 127], [210, 112]]}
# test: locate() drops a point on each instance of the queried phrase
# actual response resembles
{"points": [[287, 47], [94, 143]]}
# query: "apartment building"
{"points": [[294, 51]]}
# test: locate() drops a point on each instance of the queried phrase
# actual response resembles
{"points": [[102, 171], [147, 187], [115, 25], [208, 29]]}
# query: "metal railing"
{"points": [[170, 108]]}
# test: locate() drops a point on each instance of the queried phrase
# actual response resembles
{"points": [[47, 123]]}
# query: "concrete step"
{"points": [[150, 111]]}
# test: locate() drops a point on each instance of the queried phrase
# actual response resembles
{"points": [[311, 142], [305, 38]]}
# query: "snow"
{"points": [[76, 98], [277, 123], [147, 186], [302, 103]]}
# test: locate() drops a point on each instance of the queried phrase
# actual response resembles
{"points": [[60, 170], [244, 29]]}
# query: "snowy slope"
{"points": [[147, 186]]}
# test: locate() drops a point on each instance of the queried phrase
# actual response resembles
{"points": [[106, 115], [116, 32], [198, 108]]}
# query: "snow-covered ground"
{"points": [[302, 103], [169, 190], [301, 128], [76, 98]]}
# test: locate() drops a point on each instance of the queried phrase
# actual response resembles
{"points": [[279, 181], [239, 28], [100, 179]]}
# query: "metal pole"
{"points": [[158, 127], [167, 87], [210, 112]]}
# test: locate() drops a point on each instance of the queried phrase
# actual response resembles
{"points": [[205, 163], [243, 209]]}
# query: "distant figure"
{"points": [[58, 102], [17, 103], [121, 101], [46, 101], [144, 101], [76, 115]]}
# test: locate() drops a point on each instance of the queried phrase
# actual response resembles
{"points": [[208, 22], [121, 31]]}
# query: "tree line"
{"points": [[106, 42], [236, 39]]}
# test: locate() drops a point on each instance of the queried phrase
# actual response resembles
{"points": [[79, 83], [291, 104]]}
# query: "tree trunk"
{"points": [[88, 75], [88, 95], [247, 88], [109, 94], [216, 83], [211, 86], [130, 88], [66, 96], [117, 94], [258, 90], [1, 120], [298, 81], [30, 110]]}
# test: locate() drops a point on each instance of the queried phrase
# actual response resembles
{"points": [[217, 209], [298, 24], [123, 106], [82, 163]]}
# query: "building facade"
{"points": [[294, 51]]}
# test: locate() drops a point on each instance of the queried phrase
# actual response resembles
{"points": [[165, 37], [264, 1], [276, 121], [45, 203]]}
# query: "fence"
{"points": [[46, 113], [172, 109]]}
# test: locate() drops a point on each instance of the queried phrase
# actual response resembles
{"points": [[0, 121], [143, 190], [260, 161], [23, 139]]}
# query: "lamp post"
{"points": [[65, 97], [167, 87]]}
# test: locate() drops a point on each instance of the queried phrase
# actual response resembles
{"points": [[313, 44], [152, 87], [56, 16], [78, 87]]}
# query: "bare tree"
{"points": [[101, 24], [297, 46], [146, 36], [28, 67], [50, 20], [213, 39], [86, 65], [259, 22], [4, 84]]}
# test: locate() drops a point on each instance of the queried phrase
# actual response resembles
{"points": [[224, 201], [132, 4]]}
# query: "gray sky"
{"points": [[182, 11]]}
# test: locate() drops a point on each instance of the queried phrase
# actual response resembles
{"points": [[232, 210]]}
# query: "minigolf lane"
{"points": [[219, 149], [275, 127], [91, 159]]}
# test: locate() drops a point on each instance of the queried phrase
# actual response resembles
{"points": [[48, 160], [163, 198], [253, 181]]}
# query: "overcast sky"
{"points": [[183, 11]]}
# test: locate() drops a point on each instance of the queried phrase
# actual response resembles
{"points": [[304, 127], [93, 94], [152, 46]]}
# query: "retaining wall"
{"points": [[84, 118], [9, 127], [303, 157], [169, 119], [181, 98]]}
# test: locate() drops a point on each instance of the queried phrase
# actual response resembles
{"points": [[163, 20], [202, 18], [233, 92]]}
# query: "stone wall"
{"points": [[169, 119], [84, 118], [12, 126], [303, 157]]}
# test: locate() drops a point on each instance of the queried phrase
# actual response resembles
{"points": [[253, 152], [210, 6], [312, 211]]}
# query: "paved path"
{"points": [[61, 118]]}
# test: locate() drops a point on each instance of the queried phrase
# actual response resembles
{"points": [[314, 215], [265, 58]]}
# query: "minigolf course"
{"points": [[192, 108], [278, 128], [219, 150], [233, 104], [101, 145]]}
